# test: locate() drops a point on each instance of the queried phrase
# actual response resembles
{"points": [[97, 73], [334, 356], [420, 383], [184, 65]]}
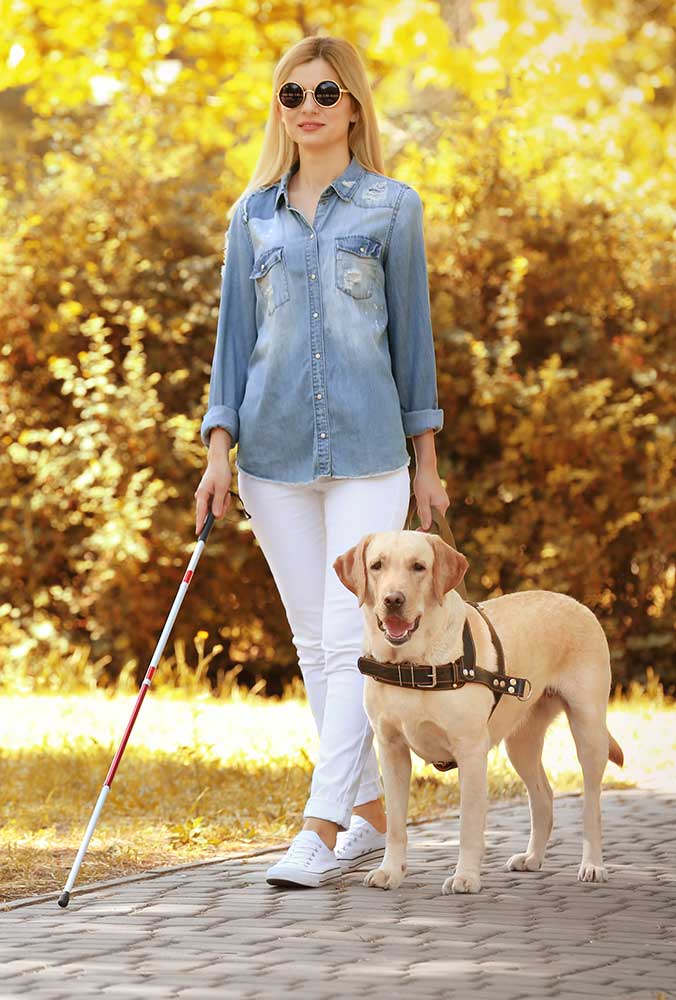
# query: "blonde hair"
{"points": [[278, 152]]}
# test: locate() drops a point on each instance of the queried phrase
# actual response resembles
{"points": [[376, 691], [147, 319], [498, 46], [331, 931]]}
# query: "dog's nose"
{"points": [[394, 600]]}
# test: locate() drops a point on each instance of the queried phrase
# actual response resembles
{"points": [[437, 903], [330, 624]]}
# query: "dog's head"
{"points": [[400, 575]]}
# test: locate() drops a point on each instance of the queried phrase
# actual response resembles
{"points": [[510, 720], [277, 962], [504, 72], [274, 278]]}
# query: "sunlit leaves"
{"points": [[541, 136]]}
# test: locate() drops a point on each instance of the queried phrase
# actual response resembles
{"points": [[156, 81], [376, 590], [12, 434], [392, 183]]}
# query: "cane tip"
{"points": [[63, 899]]}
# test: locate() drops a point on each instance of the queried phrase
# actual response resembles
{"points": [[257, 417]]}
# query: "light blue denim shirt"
{"points": [[324, 360]]}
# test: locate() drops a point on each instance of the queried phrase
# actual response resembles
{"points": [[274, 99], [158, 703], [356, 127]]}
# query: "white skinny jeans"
{"points": [[301, 529]]}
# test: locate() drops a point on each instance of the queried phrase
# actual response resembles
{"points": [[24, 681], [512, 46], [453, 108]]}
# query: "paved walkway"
{"points": [[217, 930]]}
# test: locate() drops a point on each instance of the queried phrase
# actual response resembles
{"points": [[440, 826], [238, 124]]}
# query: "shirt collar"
{"points": [[344, 185]]}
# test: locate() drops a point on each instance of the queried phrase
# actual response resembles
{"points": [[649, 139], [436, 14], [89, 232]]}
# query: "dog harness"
{"points": [[456, 674]]}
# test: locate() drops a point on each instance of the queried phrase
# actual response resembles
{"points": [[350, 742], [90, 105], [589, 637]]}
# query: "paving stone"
{"points": [[217, 930]]}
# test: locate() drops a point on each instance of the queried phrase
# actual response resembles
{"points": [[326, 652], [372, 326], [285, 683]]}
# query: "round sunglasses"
{"points": [[326, 94]]}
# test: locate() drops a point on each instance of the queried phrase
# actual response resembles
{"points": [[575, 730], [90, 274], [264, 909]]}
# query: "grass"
{"points": [[203, 777]]}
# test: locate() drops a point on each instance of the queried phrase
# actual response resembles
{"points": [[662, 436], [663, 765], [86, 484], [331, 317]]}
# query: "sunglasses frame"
{"points": [[311, 90]]}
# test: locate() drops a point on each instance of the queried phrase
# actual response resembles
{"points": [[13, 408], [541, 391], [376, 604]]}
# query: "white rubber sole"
{"points": [[353, 864], [288, 875]]}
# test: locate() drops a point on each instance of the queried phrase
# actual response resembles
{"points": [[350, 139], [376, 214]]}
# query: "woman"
{"points": [[324, 364]]}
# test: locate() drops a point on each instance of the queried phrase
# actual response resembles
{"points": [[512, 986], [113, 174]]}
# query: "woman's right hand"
{"points": [[215, 484]]}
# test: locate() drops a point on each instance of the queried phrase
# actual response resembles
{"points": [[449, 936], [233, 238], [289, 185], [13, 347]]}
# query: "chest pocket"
{"points": [[272, 282], [358, 267]]}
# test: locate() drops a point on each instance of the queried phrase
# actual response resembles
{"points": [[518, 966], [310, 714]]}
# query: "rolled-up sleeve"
{"points": [[410, 334], [235, 333]]}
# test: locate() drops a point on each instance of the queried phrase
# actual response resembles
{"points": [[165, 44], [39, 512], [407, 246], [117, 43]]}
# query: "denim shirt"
{"points": [[324, 359]]}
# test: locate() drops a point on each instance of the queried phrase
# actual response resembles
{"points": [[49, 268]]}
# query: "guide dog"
{"points": [[405, 583]]}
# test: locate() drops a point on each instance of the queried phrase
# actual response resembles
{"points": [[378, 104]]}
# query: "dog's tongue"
{"points": [[397, 626]]}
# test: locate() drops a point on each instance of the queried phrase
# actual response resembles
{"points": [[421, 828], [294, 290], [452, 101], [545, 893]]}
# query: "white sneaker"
{"points": [[359, 845], [308, 862]]}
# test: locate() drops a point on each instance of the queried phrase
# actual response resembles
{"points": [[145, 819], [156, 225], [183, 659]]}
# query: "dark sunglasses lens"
{"points": [[291, 95], [327, 93]]}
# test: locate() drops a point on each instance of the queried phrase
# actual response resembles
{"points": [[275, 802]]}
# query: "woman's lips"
{"points": [[311, 128]]}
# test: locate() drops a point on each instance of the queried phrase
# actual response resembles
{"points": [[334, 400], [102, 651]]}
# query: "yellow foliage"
{"points": [[541, 137]]}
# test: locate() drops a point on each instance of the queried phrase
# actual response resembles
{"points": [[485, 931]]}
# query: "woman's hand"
{"points": [[429, 492], [214, 483]]}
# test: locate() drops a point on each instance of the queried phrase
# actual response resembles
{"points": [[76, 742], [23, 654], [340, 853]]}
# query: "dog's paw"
{"points": [[461, 882], [524, 863], [592, 873], [382, 878]]}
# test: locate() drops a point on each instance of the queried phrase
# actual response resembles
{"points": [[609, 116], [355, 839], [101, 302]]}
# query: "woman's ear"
{"points": [[351, 568], [449, 567]]}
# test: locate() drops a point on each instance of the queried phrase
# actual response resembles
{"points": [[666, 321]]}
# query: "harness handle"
{"points": [[443, 529]]}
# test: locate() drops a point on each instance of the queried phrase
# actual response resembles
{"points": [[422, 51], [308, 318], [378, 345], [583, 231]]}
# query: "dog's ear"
{"points": [[351, 568], [449, 567]]}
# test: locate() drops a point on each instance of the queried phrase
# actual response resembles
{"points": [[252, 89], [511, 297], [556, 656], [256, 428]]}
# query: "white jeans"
{"points": [[301, 529]]}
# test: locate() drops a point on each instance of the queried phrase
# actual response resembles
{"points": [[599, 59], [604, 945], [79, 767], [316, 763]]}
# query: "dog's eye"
{"points": [[419, 566], [376, 565]]}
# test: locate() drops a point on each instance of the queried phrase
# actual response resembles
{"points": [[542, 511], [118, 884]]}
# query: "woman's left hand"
{"points": [[429, 492]]}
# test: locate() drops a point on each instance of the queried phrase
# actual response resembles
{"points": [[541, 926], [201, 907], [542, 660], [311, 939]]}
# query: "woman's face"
{"points": [[334, 122]]}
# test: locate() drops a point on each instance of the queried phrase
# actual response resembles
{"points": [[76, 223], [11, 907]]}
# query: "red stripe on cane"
{"points": [[145, 687]]}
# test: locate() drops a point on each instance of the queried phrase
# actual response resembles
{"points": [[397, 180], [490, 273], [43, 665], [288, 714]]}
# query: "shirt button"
{"points": [[318, 355], [313, 275], [315, 315], [319, 395], [312, 236], [322, 435]]}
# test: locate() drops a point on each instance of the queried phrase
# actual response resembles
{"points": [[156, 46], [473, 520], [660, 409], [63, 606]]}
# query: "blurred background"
{"points": [[541, 137]]}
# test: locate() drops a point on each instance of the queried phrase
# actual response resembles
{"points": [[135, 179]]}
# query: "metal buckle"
{"points": [[413, 684], [434, 679], [530, 691]]}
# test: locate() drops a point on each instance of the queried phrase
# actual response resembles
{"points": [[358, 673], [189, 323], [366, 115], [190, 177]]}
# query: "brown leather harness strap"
{"points": [[456, 674], [443, 528], [461, 671], [449, 676], [498, 689]]}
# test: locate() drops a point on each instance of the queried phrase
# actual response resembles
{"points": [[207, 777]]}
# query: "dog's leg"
{"points": [[524, 747], [395, 763], [472, 772], [588, 726]]}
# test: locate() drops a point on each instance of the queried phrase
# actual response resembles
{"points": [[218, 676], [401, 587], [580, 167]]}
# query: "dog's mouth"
{"points": [[397, 630]]}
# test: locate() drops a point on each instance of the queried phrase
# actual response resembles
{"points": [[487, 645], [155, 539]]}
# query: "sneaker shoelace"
{"points": [[353, 835], [302, 851]]}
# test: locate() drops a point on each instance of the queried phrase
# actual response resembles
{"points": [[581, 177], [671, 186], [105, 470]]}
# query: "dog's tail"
{"points": [[615, 751]]}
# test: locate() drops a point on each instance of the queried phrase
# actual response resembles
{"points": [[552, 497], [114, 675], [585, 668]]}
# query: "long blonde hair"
{"points": [[278, 152]]}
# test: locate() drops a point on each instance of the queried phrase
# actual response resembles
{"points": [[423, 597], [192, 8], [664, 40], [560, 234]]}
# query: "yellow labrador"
{"points": [[405, 583]]}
